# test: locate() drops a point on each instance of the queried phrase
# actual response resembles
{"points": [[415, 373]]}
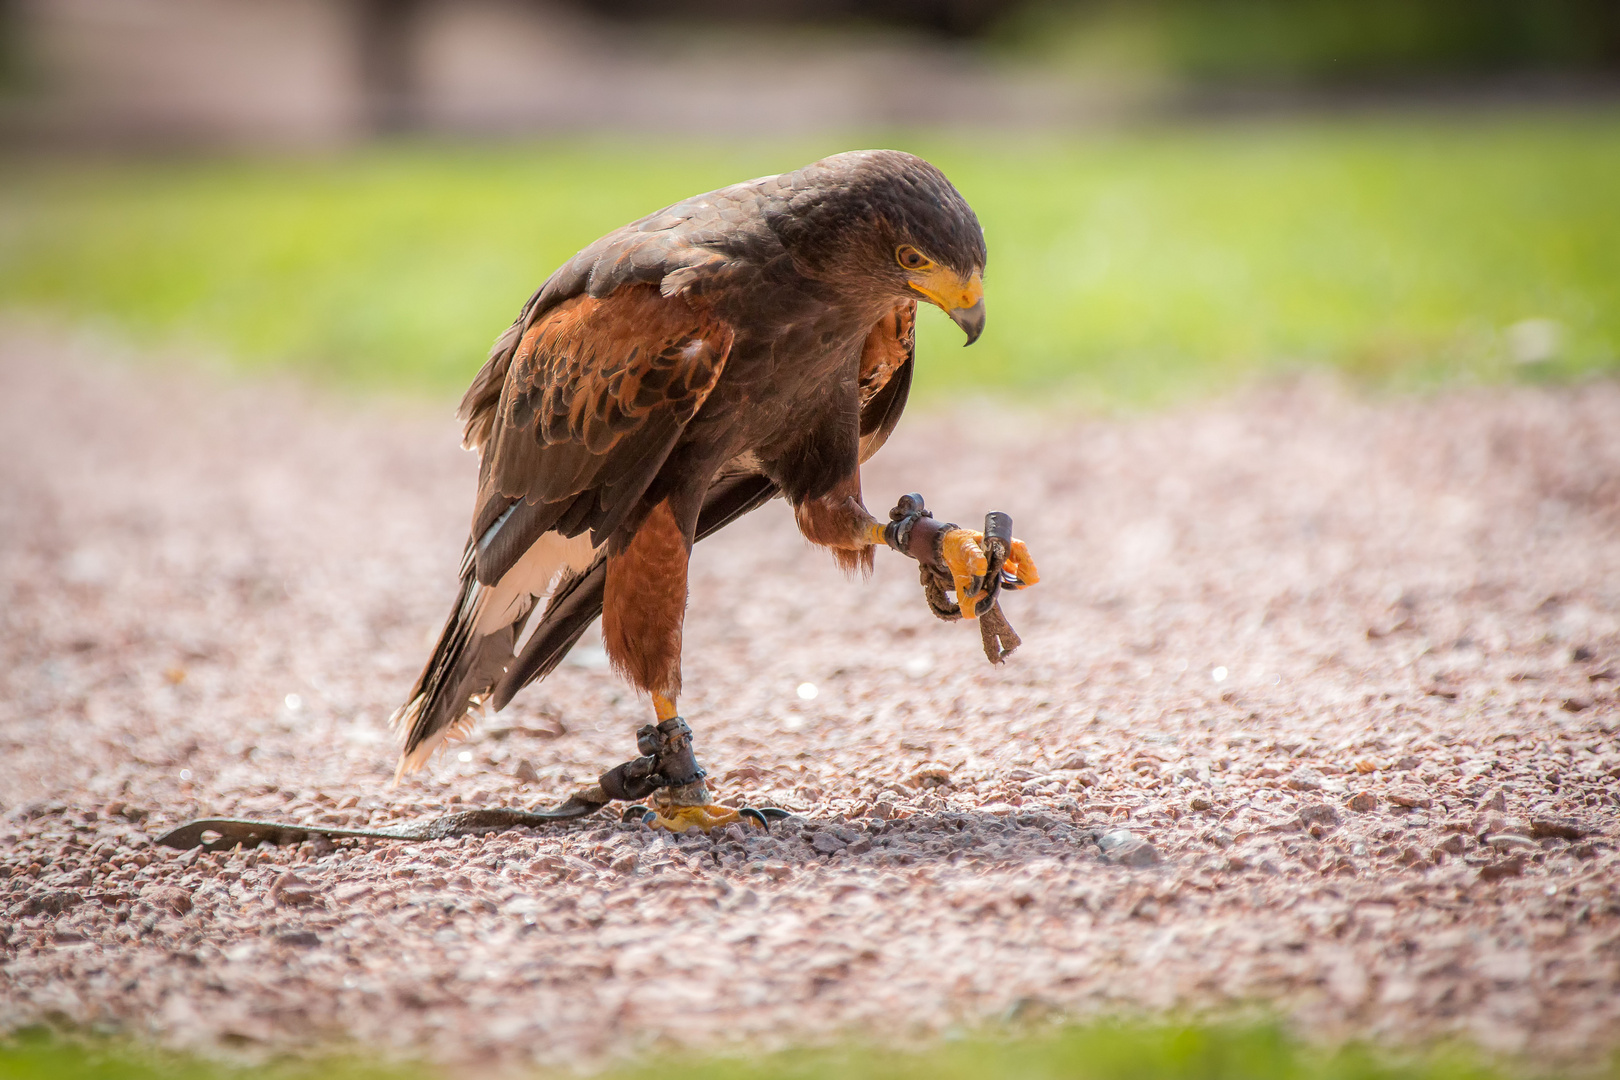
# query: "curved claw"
{"points": [[755, 816], [774, 813], [634, 813]]}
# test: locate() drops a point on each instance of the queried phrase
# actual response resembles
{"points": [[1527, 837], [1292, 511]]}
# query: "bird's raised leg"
{"points": [[841, 522], [643, 609]]}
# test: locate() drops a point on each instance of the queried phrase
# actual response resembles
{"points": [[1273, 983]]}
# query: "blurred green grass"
{"points": [[1097, 1051], [1127, 269]]}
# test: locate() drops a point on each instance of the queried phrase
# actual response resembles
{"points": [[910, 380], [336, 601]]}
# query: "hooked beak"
{"points": [[962, 300], [970, 319]]}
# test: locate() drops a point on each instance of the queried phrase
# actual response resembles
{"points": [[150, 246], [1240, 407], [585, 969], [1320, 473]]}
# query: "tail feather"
{"points": [[449, 695], [574, 605]]}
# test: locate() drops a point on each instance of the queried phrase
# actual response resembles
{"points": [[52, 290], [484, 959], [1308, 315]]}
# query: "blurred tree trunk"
{"points": [[388, 58]]}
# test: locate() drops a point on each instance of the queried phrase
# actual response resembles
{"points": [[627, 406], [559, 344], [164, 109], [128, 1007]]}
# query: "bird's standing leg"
{"points": [[643, 609]]}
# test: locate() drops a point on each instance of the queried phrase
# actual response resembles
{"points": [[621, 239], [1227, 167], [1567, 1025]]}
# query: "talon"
{"points": [[755, 816], [634, 813]]}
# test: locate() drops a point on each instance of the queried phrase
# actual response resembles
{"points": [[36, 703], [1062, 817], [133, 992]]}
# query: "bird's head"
{"points": [[891, 221]]}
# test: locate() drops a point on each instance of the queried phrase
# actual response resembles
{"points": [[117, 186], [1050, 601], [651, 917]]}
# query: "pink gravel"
{"points": [[1345, 671]]}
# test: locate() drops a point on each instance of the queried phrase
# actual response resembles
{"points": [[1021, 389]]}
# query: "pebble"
{"points": [[1410, 797], [1363, 802], [172, 897], [1562, 828], [1305, 780], [1124, 848], [1512, 842], [1507, 868], [1318, 814]]}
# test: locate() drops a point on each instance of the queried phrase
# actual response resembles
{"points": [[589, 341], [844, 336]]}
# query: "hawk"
{"points": [[752, 343]]}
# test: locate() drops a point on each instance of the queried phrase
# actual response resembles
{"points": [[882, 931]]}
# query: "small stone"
{"points": [[827, 843], [1408, 763], [1577, 704], [1363, 802], [1304, 780], [1124, 848], [525, 772], [1116, 838], [1073, 763], [860, 846], [1453, 844], [70, 879], [292, 890], [1318, 814], [350, 891], [1201, 803], [1494, 800], [1562, 828], [1511, 842], [1410, 797], [1411, 856], [303, 939], [176, 899], [1137, 854], [929, 776], [1507, 868]]}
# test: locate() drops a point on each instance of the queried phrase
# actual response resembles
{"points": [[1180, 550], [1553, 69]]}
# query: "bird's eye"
{"points": [[912, 259]]}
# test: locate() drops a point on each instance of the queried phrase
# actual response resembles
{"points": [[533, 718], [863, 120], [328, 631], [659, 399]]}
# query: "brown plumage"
{"points": [[749, 343]]}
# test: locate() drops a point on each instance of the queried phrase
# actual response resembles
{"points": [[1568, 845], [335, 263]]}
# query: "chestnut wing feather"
{"points": [[597, 392]]}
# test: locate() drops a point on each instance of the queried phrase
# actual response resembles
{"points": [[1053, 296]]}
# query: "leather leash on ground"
{"points": [[230, 832], [666, 761], [913, 531]]}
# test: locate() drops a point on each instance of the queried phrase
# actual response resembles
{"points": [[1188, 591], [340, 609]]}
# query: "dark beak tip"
{"points": [[971, 320]]}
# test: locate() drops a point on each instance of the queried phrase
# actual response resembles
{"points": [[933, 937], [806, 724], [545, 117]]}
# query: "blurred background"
{"points": [[1178, 194]]}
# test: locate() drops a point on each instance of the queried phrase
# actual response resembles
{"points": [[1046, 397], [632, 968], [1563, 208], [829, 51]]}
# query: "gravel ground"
{"points": [[1317, 707]]}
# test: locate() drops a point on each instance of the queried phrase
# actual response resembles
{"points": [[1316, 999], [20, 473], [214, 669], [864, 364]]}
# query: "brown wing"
{"points": [[595, 395], [885, 379]]}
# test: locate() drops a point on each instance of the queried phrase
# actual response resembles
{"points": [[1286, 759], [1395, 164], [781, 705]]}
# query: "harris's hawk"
{"points": [[744, 344]]}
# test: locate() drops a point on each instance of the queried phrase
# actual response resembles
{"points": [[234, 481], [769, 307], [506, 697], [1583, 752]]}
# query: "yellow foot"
{"points": [[963, 551], [678, 819]]}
